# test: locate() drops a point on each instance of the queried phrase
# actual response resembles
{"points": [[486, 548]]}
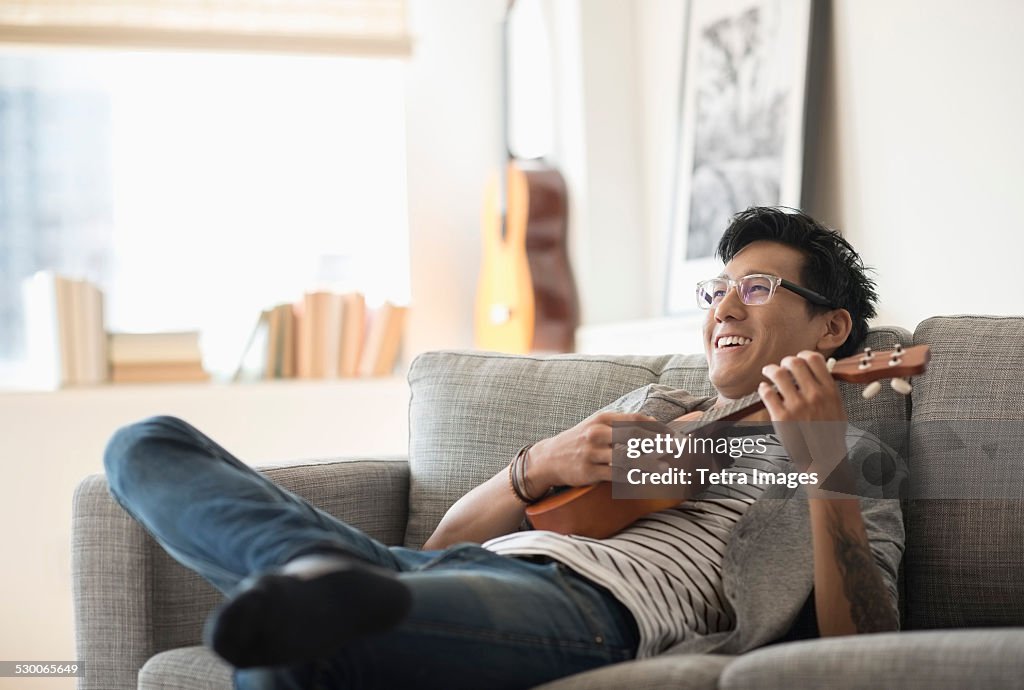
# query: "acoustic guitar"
{"points": [[526, 299], [592, 512]]}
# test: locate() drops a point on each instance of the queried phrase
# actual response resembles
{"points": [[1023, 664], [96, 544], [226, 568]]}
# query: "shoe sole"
{"points": [[283, 619]]}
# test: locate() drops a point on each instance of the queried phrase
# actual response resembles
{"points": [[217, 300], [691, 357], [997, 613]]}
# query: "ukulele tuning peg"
{"points": [[871, 390], [830, 363], [901, 386]]}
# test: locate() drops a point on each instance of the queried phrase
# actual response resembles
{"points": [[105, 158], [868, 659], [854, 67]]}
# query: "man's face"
{"points": [[777, 329]]}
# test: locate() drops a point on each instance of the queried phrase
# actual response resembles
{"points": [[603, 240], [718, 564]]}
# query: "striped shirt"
{"points": [[665, 568]]}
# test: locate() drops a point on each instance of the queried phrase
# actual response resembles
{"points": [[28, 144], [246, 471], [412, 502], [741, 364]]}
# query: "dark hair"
{"points": [[831, 266]]}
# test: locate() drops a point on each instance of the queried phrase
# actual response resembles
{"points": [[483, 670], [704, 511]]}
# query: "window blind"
{"points": [[346, 27]]}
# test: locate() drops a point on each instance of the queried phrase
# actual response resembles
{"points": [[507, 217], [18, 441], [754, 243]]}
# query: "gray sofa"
{"points": [[139, 614]]}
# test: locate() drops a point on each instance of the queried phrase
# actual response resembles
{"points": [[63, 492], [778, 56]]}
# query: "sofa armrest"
{"points": [[132, 601]]}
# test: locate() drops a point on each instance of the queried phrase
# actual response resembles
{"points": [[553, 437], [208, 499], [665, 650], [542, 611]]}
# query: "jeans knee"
{"points": [[126, 451]]}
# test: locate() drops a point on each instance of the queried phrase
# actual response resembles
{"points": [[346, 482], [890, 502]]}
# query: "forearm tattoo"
{"points": [[862, 584]]}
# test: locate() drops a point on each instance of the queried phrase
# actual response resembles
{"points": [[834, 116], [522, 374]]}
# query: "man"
{"points": [[314, 602]]}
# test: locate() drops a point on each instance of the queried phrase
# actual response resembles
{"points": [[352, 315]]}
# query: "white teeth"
{"points": [[732, 340]]}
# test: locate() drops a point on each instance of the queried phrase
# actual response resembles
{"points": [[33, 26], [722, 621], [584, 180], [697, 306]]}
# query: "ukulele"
{"points": [[591, 511], [526, 298]]}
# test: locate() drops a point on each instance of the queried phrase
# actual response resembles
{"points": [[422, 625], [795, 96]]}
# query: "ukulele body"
{"points": [[591, 511]]}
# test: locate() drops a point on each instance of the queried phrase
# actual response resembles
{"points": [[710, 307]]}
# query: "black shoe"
{"points": [[305, 610]]}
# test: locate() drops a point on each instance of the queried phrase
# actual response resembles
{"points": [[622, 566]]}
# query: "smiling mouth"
{"points": [[731, 341]]}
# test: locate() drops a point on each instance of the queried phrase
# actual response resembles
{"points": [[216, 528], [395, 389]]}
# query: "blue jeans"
{"points": [[478, 619]]}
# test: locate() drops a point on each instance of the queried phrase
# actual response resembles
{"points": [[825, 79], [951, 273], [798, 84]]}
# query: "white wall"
{"points": [[454, 140], [610, 241], [920, 156], [922, 152], [659, 36]]}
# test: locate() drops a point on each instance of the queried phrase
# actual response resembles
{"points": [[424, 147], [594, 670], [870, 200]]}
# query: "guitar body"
{"points": [[526, 298]]}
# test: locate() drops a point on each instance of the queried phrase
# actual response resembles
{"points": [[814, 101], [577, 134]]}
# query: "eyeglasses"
{"points": [[755, 289]]}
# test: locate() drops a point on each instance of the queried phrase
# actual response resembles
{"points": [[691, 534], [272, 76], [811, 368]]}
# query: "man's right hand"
{"points": [[578, 456]]}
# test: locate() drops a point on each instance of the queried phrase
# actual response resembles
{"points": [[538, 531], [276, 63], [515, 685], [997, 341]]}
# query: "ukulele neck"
{"points": [[732, 410]]}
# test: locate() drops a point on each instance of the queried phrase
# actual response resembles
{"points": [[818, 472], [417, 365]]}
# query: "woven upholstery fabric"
{"points": [[187, 668], [923, 660], [470, 411], [679, 672], [965, 556], [133, 601], [197, 668], [111, 586]]}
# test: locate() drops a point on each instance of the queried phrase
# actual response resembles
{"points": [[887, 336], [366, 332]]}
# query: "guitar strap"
{"points": [[662, 402]]}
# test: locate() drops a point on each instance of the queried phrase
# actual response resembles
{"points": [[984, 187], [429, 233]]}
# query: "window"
{"points": [[197, 189]]}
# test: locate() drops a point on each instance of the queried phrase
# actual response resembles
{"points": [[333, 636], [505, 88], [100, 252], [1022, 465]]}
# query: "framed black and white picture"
{"points": [[741, 127]]}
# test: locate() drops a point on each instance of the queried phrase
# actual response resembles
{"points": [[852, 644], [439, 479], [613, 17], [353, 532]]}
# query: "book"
{"points": [[353, 331], [383, 339], [252, 366], [158, 372], [47, 328], [171, 346], [272, 354], [319, 339], [93, 337], [281, 342], [288, 338], [304, 337], [328, 333], [65, 331], [319, 336], [76, 296]]}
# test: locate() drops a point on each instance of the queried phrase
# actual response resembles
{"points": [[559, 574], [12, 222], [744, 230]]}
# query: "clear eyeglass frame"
{"points": [[707, 289]]}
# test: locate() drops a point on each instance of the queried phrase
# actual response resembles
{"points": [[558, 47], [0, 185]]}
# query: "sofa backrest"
{"points": [[965, 516], [470, 411]]}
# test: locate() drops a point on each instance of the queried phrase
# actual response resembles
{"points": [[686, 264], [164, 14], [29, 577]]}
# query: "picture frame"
{"points": [[742, 121]]}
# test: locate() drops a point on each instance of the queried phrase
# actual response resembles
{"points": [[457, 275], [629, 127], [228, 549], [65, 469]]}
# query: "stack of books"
{"points": [[324, 335], [156, 357], [65, 335]]}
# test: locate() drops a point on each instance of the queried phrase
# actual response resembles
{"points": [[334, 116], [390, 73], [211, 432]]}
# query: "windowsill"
{"points": [[265, 421]]}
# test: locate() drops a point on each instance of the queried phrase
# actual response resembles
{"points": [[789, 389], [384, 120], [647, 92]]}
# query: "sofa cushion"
{"points": [[960, 659], [186, 668], [965, 519], [197, 668], [676, 671], [470, 411]]}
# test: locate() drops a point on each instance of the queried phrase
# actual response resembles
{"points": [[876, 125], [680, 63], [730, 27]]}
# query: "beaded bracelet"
{"points": [[517, 475]]}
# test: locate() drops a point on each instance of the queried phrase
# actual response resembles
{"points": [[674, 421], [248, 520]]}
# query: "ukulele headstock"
{"points": [[872, 366]]}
